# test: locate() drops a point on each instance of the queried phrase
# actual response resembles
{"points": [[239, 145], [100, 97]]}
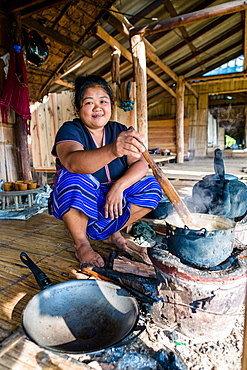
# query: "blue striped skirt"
{"points": [[86, 194]]}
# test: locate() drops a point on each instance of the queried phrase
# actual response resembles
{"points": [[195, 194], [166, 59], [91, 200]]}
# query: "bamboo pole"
{"points": [[182, 20]]}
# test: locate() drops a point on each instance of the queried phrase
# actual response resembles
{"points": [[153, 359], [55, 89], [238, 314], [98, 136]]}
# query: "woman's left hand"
{"points": [[113, 204]]}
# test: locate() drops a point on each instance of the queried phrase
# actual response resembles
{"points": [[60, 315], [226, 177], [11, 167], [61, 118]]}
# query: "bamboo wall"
{"points": [[8, 163], [47, 117]]}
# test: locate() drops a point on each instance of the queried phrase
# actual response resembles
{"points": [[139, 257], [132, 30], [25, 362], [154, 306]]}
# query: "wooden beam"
{"points": [[182, 20], [65, 83], [18, 5], [213, 66], [114, 44], [27, 12], [217, 41], [63, 40], [210, 27], [217, 77], [155, 59], [180, 120], [173, 13], [145, 12], [122, 25]]}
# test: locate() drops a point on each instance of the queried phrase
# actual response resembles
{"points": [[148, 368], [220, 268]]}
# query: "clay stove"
{"points": [[202, 304]]}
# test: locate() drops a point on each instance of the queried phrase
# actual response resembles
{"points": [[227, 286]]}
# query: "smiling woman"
{"points": [[101, 184]]}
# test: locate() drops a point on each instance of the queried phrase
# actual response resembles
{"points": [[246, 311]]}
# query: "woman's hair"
{"points": [[82, 83]]}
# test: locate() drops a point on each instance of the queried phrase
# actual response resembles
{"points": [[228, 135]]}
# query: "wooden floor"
{"points": [[43, 239]]}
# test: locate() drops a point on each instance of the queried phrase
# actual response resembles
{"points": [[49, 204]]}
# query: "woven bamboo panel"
{"points": [[46, 120]]}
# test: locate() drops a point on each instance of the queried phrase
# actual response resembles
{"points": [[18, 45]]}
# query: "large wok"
{"points": [[78, 316]]}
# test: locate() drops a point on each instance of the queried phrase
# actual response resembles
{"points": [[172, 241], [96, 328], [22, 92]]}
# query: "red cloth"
{"points": [[15, 93]]}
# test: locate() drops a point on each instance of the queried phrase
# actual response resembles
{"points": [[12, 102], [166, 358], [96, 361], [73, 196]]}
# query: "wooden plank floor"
{"points": [[43, 239], [183, 176], [199, 167]]}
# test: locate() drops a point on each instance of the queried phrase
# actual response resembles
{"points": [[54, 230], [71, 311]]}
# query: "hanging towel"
{"points": [[15, 93]]}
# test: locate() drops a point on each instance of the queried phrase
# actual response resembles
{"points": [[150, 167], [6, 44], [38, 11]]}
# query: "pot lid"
{"points": [[227, 177]]}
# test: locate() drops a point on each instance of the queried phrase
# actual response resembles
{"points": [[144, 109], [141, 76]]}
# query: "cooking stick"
{"points": [[170, 192]]}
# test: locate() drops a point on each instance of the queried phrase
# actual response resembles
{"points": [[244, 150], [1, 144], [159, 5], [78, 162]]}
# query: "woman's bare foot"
{"points": [[118, 240], [87, 255]]}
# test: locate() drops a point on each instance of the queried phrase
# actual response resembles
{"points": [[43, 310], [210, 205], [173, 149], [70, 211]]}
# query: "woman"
{"points": [[100, 184]]}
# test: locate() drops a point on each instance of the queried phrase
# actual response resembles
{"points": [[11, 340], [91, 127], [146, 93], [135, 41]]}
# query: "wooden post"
{"points": [[184, 19], [115, 74], [245, 129], [245, 40], [22, 149], [140, 77], [180, 119], [24, 168], [115, 68]]}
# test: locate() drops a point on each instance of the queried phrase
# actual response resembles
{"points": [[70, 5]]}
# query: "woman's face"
{"points": [[95, 109]]}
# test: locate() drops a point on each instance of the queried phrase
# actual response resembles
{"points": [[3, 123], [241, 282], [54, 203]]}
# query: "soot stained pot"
{"points": [[206, 247], [78, 316], [163, 209]]}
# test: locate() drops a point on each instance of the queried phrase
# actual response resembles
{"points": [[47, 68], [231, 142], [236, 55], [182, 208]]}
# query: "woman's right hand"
{"points": [[129, 143]]}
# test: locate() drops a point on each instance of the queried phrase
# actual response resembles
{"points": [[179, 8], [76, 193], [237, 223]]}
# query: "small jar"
{"points": [[22, 186], [32, 184], [8, 186]]}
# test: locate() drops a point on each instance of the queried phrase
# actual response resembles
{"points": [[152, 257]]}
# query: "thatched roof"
{"points": [[81, 35]]}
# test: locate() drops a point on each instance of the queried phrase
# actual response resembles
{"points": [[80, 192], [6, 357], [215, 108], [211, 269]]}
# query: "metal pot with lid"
{"points": [[209, 245], [219, 194]]}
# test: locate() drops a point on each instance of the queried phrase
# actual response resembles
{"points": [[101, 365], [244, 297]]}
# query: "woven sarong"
{"points": [[86, 194]]}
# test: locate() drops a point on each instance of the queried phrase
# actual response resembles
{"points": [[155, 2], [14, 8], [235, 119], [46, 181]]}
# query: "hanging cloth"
{"points": [[15, 93]]}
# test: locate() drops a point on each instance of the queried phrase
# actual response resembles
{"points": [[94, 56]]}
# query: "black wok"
{"points": [[78, 316]]}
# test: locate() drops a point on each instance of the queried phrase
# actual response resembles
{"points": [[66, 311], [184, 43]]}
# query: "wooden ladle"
{"points": [[170, 192]]}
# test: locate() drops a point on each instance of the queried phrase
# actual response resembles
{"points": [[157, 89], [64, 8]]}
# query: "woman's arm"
{"points": [[77, 160]]}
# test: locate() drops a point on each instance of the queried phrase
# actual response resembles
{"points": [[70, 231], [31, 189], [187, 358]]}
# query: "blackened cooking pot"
{"points": [[208, 246], [78, 316]]}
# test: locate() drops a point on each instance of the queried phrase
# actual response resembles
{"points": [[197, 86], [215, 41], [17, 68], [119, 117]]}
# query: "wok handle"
{"points": [[139, 329], [41, 278]]}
